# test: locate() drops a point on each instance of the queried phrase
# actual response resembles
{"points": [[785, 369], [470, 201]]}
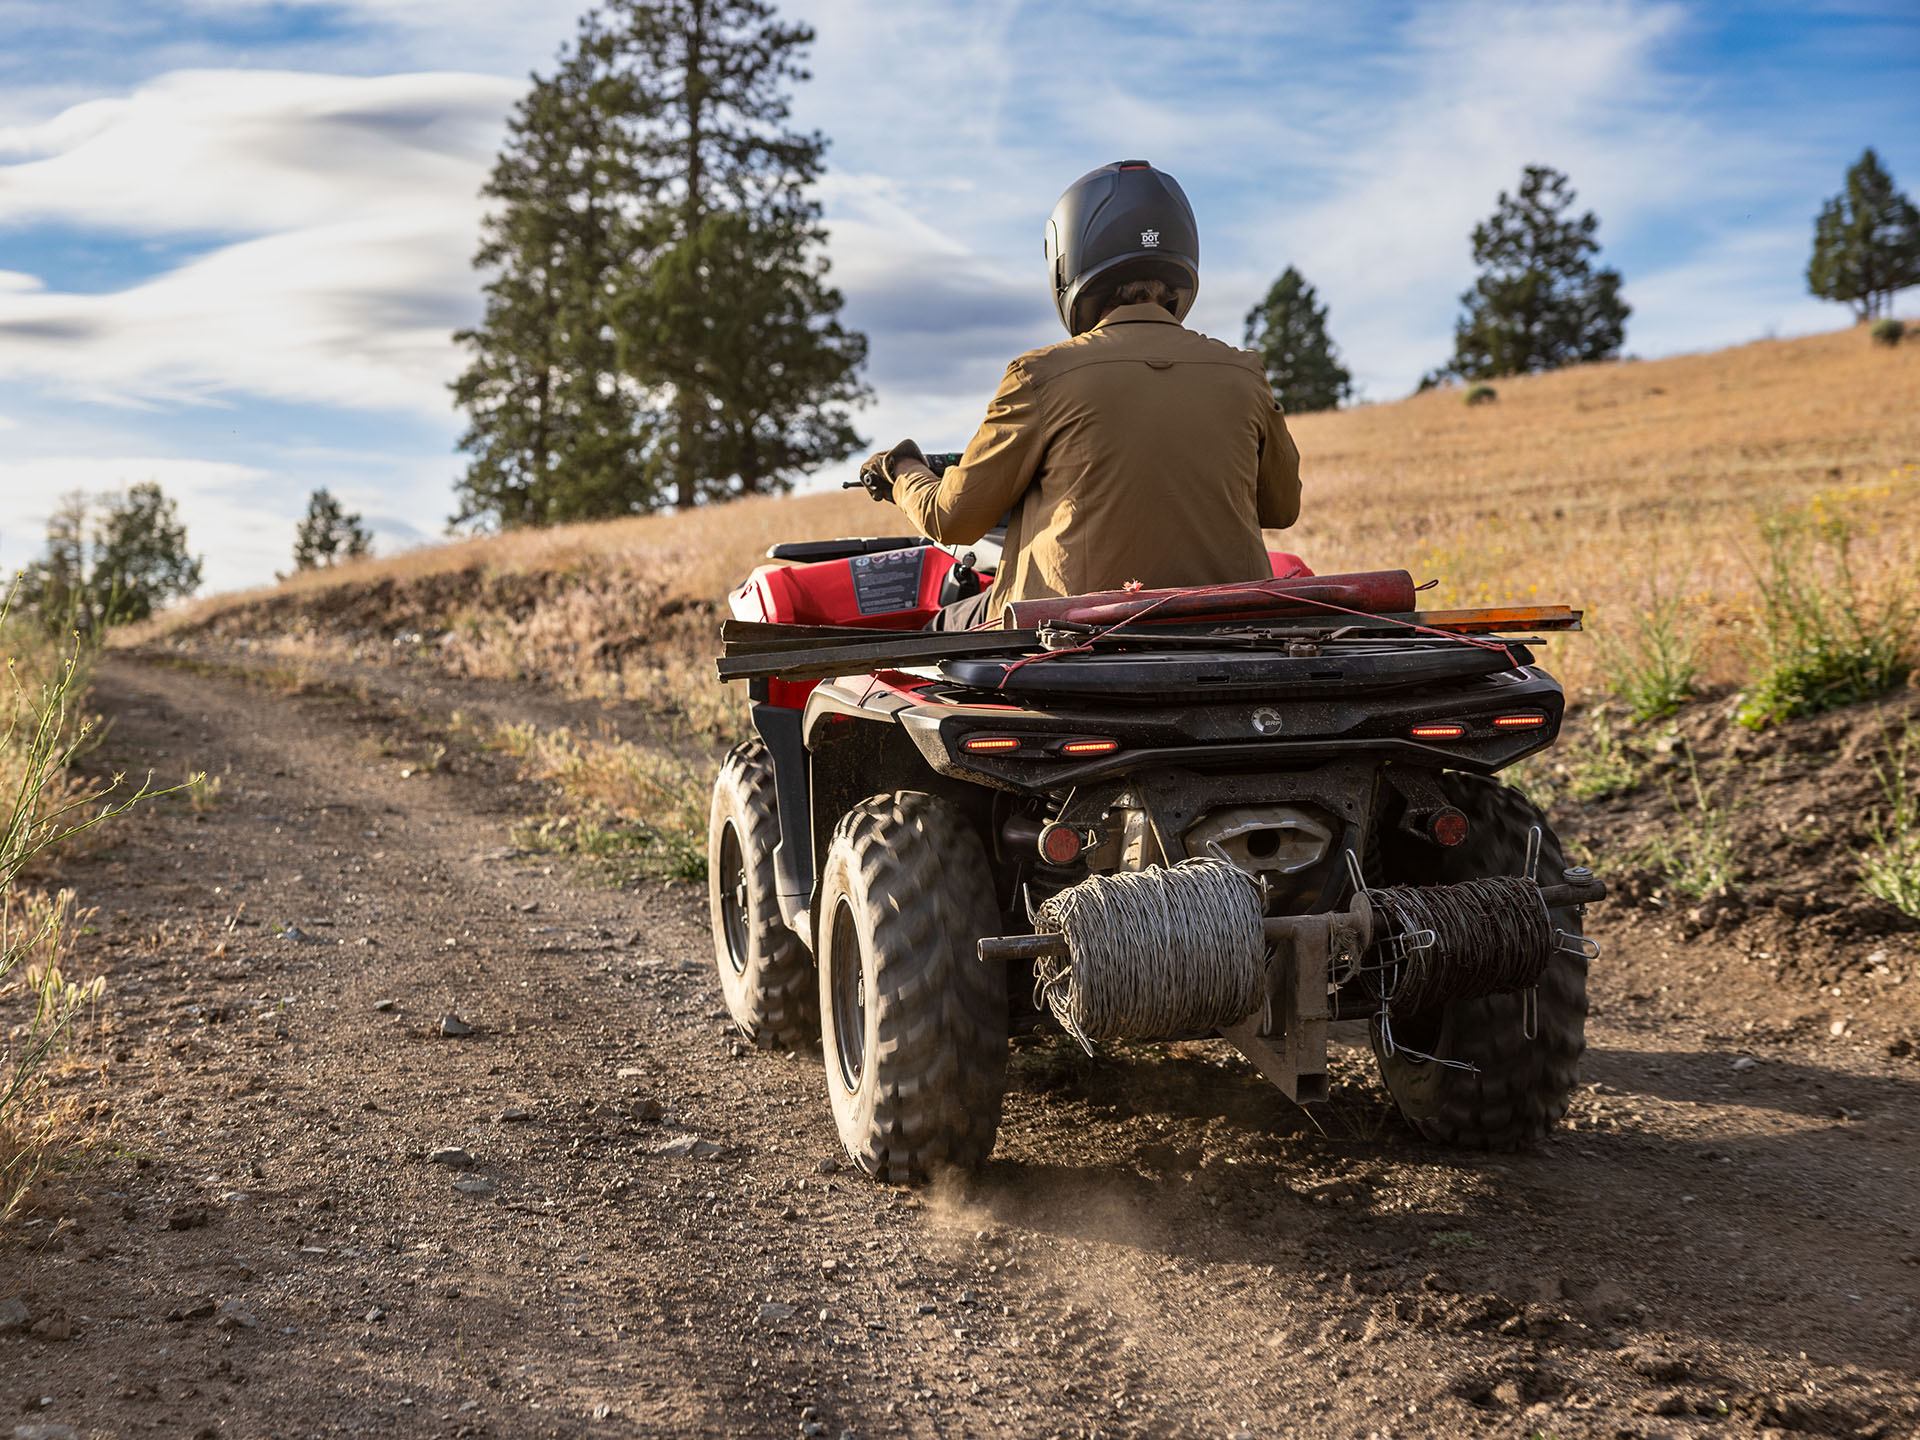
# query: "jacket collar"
{"points": [[1147, 314]]}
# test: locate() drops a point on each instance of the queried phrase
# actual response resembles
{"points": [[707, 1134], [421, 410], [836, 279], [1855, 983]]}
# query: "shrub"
{"points": [[1889, 331], [642, 811], [1890, 865], [1603, 765], [1481, 395], [1655, 664], [1826, 640], [1695, 852], [42, 732]]}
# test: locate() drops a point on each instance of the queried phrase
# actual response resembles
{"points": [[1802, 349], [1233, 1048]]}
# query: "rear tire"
{"points": [[1521, 1087], [766, 974], [913, 1027]]}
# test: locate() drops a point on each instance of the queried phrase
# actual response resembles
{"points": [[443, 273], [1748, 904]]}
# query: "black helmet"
{"points": [[1126, 221]]}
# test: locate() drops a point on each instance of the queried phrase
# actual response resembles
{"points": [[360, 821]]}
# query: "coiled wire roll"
{"points": [[1154, 954], [1489, 936]]}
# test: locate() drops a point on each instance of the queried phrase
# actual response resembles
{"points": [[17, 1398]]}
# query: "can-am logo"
{"points": [[1150, 239]]}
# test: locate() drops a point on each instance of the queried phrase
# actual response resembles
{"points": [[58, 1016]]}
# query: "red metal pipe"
{"points": [[1372, 592]]}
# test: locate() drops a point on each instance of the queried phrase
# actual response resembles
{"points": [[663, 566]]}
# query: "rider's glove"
{"points": [[878, 471]]}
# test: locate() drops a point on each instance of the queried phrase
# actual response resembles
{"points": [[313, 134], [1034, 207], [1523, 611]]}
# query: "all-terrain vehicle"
{"points": [[1244, 811]]}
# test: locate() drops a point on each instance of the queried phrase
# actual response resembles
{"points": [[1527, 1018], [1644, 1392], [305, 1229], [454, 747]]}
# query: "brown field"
{"points": [[1598, 486]]}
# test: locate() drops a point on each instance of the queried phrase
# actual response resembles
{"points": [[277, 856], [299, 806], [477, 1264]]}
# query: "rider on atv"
{"points": [[1136, 451]]}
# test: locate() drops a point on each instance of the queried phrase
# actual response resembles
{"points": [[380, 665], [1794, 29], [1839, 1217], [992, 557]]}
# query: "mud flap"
{"points": [[779, 729]]}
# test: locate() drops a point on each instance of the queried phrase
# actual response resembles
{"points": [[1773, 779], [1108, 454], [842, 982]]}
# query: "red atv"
{"points": [[1242, 811]]}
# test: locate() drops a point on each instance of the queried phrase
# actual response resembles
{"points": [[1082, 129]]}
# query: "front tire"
{"points": [[1520, 1087], [766, 974], [913, 1026]]}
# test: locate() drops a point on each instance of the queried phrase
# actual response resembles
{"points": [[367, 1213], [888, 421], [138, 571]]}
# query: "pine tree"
{"points": [[54, 587], [1539, 303], [659, 328], [327, 534], [727, 315], [555, 431], [1288, 329], [140, 557], [135, 561], [1866, 242]]}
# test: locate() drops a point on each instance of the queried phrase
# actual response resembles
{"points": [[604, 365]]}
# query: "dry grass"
{"points": [[42, 729], [635, 809], [1599, 486]]}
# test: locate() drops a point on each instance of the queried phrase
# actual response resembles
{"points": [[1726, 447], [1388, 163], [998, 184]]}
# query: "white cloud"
{"points": [[1479, 92], [235, 151], [360, 201], [1729, 294]]}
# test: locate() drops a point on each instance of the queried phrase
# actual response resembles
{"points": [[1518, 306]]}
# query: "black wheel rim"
{"points": [[733, 897], [849, 990]]}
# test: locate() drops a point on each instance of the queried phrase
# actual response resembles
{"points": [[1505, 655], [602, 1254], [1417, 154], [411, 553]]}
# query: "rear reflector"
{"points": [[1448, 827], [1526, 720], [1060, 844], [990, 744], [1437, 731], [1089, 747]]}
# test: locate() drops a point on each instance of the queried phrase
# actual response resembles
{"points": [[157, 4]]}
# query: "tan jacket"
{"points": [[1139, 450]]}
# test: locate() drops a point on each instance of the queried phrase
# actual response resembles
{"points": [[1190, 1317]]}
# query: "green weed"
{"points": [[1890, 865], [1602, 763], [1826, 639], [1654, 665], [1695, 852]]}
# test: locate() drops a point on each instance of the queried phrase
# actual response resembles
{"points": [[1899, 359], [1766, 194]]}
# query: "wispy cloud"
{"points": [[359, 202]]}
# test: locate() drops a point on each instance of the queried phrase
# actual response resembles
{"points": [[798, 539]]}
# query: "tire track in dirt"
{"points": [[1160, 1246]]}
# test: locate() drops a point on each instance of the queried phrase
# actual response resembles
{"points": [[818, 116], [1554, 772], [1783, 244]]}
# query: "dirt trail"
{"points": [[1160, 1247]]}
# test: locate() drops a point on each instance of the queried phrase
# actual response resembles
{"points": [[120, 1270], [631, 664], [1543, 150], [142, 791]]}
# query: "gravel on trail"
{"points": [[477, 1154]]}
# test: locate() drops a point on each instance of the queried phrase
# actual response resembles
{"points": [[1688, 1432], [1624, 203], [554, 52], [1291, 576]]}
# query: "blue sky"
{"points": [[234, 234]]}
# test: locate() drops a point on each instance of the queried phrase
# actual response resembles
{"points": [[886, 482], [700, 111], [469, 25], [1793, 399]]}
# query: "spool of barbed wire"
{"points": [[1154, 954], [1489, 937]]}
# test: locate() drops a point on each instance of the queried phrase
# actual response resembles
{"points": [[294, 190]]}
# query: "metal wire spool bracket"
{"points": [[1437, 944], [1165, 953], [1154, 954]]}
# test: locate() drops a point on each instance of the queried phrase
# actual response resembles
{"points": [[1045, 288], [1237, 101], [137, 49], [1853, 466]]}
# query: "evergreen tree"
{"points": [[54, 587], [138, 561], [140, 557], [1539, 303], [1288, 329], [727, 315], [327, 534], [659, 328], [555, 431], [1866, 242]]}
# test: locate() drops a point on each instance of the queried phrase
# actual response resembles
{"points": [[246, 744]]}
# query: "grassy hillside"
{"points": [[1744, 519], [1604, 486]]}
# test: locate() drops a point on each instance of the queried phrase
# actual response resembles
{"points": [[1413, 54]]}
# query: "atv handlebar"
{"points": [[940, 462]]}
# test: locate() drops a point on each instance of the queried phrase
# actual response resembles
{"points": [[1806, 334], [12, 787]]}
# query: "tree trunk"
{"points": [[694, 93]]}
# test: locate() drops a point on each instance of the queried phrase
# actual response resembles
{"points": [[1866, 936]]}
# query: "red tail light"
{"points": [[1525, 720], [990, 744], [1437, 730], [1448, 827], [1088, 747]]}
